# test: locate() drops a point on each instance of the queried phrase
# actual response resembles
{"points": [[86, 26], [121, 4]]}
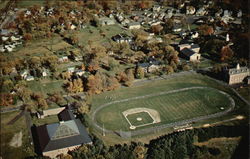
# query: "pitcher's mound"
{"points": [[139, 119]]}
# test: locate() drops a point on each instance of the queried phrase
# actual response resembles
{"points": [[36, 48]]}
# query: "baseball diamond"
{"points": [[172, 106]]}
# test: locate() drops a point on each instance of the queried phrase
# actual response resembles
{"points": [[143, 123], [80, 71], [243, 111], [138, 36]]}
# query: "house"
{"points": [[45, 72], [24, 74], [63, 59], [156, 8], [79, 72], [135, 25], [194, 47], [151, 66], [2, 49], [239, 14], [190, 54], [238, 74], [247, 81], [5, 38], [190, 10], [121, 38], [106, 21], [201, 12], [194, 35], [59, 138], [177, 28], [71, 69], [30, 78], [14, 38]]}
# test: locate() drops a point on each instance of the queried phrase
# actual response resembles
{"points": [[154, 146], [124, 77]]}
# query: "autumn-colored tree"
{"points": [[66, 75], [6, 99], [83, 67], [226, 53], [27, 36], [75, 86], [185, 67], [130, 77], [111, 83], [42, 104], [93, 66], [139, 152], [139, 72], [206, 30], [168, 69], [94, 84], [83, 108], [24, 94], [157, 29], [56, 97]]}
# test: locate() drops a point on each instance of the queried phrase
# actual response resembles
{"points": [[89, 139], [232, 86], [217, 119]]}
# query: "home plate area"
{"points": [[138, 117]]}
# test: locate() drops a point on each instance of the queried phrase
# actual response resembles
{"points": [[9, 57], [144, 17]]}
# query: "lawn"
{"points": [[172, 107], [46, 86], [91, 33], [47, 120], [8, 131]]}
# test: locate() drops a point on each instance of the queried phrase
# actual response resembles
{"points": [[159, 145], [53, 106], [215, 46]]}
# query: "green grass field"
{"points": [[171, 107], [46, 86], [145, 118], [8, 131]]}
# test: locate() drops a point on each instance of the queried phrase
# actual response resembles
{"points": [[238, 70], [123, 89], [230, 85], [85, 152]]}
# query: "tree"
{"points": [[6, 99], [24, 94], [75, 86], [27, 36], [185, 67], [130, 77], [83, 108], [206, 30], [226, 53], [157, 29], [169, 69], [139, 72], [139, 152]]}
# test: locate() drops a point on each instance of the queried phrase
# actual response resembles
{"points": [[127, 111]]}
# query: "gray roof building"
{"points": [[61, 135]]}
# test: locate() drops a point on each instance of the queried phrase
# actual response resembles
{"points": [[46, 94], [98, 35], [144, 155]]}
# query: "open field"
{"points": [[91, 33], [155, 86], [172, 106], [46, 87], [8, 131]]}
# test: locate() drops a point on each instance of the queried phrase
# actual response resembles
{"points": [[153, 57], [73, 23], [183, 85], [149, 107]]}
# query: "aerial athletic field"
{"points": [[158, 103]]}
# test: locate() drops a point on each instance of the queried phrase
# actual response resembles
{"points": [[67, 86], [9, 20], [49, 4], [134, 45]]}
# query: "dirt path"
{"points": [[12, 121]]}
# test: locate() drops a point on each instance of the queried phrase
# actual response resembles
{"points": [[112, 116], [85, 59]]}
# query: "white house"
{"points": [[24, 74], [156, 8], [190, 10], [106, 21], [63, 59], [135, 25], [5, 38], [2, 49], [71, 69], [79, 72], [30, 78]]}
